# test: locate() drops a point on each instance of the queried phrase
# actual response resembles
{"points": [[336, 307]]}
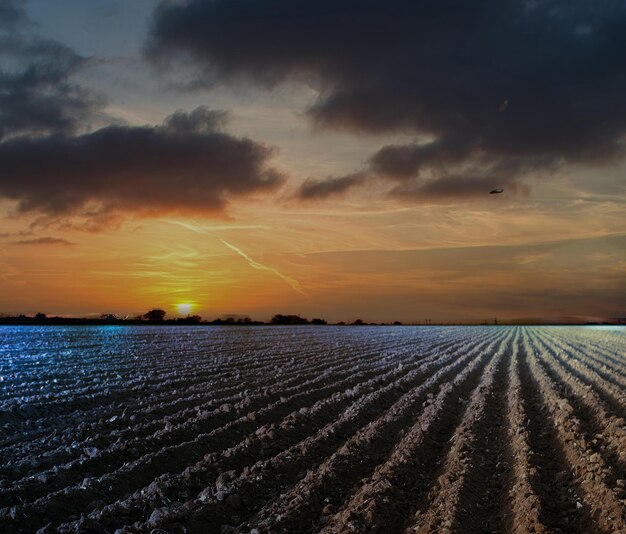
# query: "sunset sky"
{"points": [[329, 158]]}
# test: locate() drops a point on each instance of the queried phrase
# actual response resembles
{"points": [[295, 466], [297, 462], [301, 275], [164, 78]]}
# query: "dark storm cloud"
{"points": [[182, 166], [447, 188], [439, 69], [422, 171], [319, 189], [43, 241], [11, 13], [37, 92], [200, 120], [401, 162]]}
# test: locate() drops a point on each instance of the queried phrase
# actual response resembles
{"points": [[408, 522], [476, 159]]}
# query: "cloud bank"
{"points": [[38, 94], [55, 166], [439, 70], [186, 165]]}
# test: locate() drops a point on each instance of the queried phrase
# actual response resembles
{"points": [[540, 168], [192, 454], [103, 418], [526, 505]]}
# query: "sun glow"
{"points": [[184, 309]]}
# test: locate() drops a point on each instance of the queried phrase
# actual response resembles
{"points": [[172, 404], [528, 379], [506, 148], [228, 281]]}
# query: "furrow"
{"points": [[552, 478], [606, 433], [388, 497], [525, 502], [600, 365], [338, 467], [329, 430], [269, 441], [470, 493], [123, 480], [590, 341], [589, 469], [167, 432]]}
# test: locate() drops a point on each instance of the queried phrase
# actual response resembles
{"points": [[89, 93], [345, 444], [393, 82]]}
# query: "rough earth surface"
{"points": [[312, 429]]}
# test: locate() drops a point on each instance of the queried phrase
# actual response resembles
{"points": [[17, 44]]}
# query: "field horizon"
{"points": [[40, 319]]}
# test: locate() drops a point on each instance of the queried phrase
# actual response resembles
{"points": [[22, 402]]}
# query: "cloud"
{"points": [[37, 93], [321, 189], [438, 70], [450, 188], [200, 120], [44, 241], [184, 166], [402, 162], [10, 14]]}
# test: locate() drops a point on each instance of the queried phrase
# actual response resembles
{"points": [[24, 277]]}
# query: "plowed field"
{"points": [[312, 429]]}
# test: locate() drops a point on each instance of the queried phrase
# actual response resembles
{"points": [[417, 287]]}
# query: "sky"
{"points": [[328, 159]]}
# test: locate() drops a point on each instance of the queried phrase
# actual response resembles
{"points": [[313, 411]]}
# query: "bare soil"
{"points": [[312, 429]]}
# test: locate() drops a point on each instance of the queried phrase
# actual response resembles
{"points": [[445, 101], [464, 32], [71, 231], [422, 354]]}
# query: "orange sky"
{"points": [[498, 257]]}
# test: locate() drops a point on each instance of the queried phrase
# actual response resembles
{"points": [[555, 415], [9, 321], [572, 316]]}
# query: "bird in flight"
{"points": [[496, 191]]}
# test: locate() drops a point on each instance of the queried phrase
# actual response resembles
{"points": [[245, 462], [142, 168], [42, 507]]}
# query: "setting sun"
{"points": [[184, 309]]}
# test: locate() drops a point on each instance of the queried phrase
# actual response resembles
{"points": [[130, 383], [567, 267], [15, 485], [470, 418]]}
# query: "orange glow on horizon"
{"points": [[378, 265]]}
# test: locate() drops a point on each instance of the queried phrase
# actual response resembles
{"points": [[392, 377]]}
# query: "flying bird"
{"points": [[503, 105], [496, 191]]}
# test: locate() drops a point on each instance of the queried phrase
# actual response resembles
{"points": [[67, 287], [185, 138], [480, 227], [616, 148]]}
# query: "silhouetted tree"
{"points": [[358, 322], [288, 319], [397, 323], [190, 319], [155, 315], [40, 316], [318, 321]]}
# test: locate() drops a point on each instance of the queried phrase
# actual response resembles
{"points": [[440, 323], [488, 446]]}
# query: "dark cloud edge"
{"points": [[558, 66], [186, 165]]}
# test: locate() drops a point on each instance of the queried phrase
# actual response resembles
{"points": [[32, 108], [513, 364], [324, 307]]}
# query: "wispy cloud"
{"points": [[334, 186], [10, 274], [295, 285], [44, 241]]}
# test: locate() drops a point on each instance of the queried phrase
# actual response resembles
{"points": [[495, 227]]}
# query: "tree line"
{"points": [[159, 316]]}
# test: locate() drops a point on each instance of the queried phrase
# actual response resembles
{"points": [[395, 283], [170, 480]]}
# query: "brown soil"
{"points": [[302, 429]]}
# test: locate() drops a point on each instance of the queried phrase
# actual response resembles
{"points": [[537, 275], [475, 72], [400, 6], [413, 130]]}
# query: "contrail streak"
{"points": [[295, 285], [204, 229]]}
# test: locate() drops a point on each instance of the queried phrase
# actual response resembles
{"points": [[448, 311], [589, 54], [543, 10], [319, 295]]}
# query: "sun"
{"points": [[184, 309]]}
